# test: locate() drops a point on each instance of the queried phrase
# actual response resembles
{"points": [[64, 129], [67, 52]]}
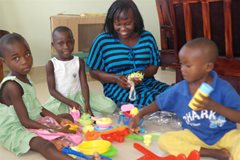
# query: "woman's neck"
{"points": [[130, 41]]}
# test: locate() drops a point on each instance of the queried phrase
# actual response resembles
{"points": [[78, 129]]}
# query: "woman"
{"points": [[124, 48]]}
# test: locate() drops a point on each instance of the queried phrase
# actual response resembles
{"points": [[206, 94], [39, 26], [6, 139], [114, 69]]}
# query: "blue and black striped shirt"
{"points": [[110, 55]]}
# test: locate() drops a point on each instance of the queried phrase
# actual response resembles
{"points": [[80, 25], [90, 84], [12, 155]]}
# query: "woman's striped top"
{"points": [[110, 55]]}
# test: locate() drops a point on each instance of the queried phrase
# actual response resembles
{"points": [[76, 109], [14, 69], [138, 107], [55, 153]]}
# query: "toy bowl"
{"points": [[104, 122]]}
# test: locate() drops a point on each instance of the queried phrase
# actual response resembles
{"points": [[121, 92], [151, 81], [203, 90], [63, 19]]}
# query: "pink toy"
{"points": [[75, 114], [127, 107]]}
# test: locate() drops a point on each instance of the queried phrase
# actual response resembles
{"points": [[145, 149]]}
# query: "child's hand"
{"points": [[122, 82], [65, 129], [205, 104], [65, 122], [134, 122], [88, 109], [75, 104]]}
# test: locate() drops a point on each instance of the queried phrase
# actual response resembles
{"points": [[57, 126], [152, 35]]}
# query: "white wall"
{"points": [[30, 18]]}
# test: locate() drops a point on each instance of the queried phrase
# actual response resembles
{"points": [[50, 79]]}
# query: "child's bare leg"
{"points": [[220, 154], [47, 149]]}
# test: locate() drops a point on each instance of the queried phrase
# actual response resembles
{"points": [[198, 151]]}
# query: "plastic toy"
{"points": [[117, 136], [67, 150], [112, 151], [134, 137], [127, 107], [87, 128], [95, 134], [132, 93], [90, 147], [75, 114], [104, 122], [133, 75], [205, 89], [194, 155], [126, 119], [73, 127], [147, 139], [85, 119]]}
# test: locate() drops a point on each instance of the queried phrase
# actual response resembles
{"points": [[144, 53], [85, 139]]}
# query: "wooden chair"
{"points": [[218, 20]]}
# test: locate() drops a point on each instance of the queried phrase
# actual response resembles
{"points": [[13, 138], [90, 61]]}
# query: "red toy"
{"points": [[194, 155], [117, 136]]}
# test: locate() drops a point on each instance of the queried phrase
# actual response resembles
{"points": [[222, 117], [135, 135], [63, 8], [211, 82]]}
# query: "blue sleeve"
{"points": [[166, 100], [95, 60], [155, 59], [231, 98]]}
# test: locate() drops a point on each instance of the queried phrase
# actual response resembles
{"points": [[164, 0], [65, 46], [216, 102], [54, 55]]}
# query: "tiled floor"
{"points": [[125, 150]]}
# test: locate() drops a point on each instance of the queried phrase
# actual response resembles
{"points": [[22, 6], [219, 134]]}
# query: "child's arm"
{"points": [[209, 104], [84, 86], [52, 87], [145, 111], [14, 93]]}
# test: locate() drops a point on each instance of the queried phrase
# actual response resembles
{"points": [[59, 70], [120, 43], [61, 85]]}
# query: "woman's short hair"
{"points": [[116, 9]]}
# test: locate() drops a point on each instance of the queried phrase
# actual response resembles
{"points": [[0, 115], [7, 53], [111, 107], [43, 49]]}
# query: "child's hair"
{"points": [[62, 29], [3, 32], [118, 7], [208, 48], [11, 38]]}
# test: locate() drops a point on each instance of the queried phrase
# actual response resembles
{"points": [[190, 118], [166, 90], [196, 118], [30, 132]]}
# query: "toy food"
{"points": [[87, 128], [73, 127], [85, 119]]}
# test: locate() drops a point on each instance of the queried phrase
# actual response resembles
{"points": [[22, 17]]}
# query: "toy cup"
{"points": [[205, 89]]}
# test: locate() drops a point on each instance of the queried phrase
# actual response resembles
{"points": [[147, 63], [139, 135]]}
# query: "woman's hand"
{"points": [[137, 81], [122, 82]]}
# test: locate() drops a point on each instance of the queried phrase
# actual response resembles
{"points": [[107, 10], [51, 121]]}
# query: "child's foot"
{"points": [[224, 154], [96, 156], [220, 154]]}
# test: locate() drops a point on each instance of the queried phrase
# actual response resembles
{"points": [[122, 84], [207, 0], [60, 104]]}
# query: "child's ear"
{"points": [[209, 66], [52, 44]]}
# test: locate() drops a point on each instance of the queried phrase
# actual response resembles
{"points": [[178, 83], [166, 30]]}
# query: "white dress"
{"points": [[68, 84]]}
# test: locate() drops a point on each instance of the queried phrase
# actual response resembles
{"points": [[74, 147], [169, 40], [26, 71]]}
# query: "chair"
{"points": [[218, 20]]}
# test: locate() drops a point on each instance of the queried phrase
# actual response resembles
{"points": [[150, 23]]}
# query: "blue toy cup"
{"points": [[126, 120]]}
